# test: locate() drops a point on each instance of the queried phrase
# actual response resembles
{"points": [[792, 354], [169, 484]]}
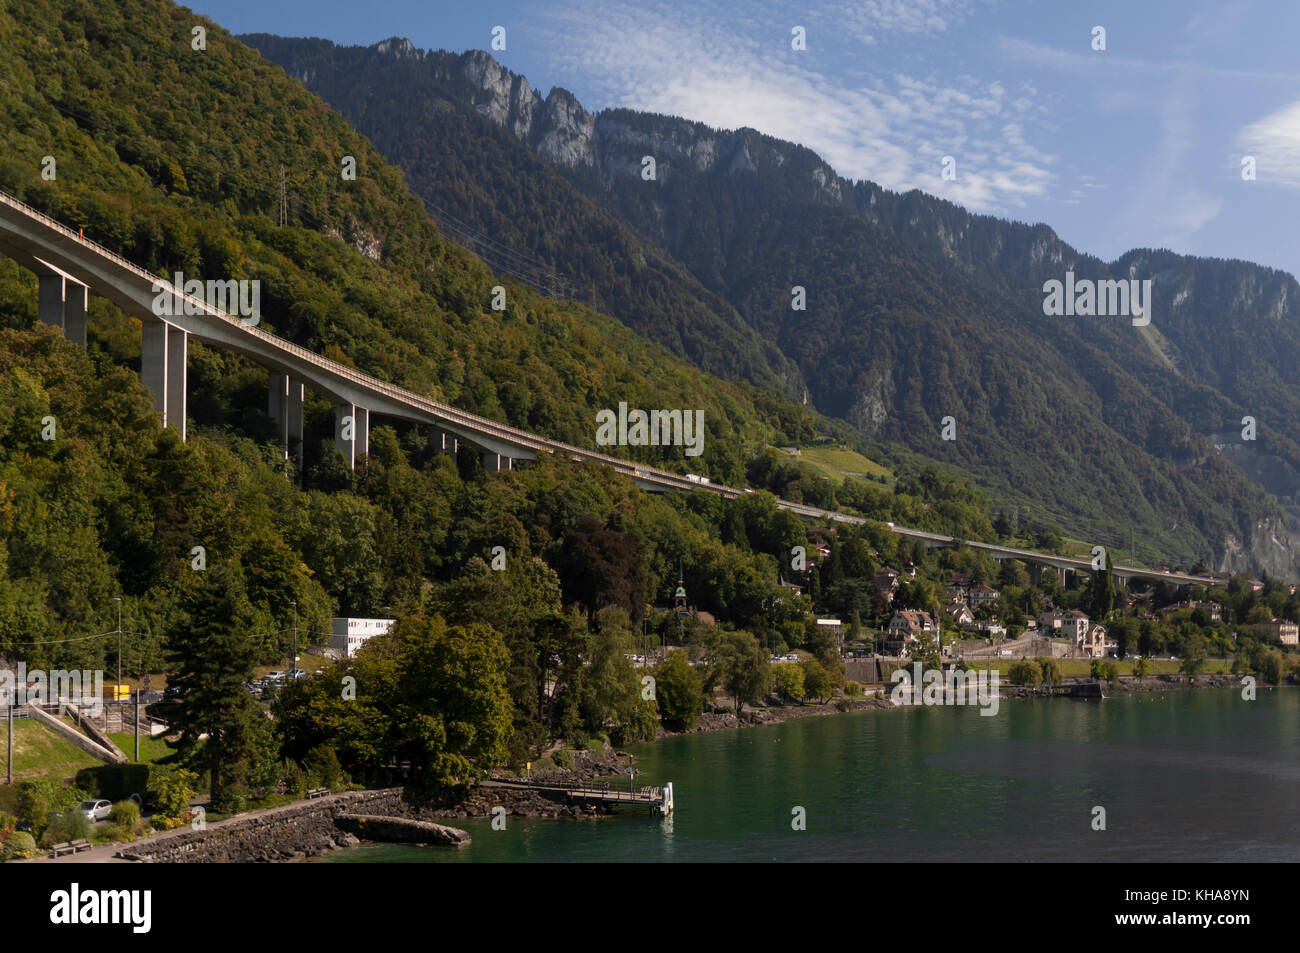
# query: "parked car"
{"points": [[173, 692], [149, 697], [96, 810], [274, 676]]}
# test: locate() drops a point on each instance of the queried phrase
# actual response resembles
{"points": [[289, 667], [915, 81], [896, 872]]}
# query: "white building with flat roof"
{"points": [[350, 634]]}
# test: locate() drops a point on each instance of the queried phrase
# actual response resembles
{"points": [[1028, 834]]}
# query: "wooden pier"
{"points": [[658, 799]]}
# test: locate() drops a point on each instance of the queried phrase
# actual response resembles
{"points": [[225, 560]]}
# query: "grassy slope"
{"points": [[39, 752], [837, 462]]}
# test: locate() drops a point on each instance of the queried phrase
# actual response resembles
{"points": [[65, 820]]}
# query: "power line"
{"points": [[86, 638], [82, 638], [538, 275]]}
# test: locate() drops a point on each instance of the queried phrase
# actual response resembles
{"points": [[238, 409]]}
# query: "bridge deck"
{"points": [[42, 243]]}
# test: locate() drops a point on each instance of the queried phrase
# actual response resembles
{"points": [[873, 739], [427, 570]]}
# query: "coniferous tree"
{"points": [[214, 655]]}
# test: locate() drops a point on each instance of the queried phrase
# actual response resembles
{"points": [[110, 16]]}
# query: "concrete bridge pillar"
{"points": [[1060, 575], [61, 303], [495, 462], [74, 312], [163, 368], [284, 406], [49, 300], [443, 442], [352, 432]]}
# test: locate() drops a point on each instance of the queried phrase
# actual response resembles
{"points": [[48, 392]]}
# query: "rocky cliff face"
{"points": [[614, 142], [1271, 549]]}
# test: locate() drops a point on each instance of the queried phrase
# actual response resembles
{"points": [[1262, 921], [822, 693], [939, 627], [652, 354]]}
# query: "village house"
{"points": [[886, 583], [1279, 630], [1093, 645], [793, 587], [832, 626], [1212, 609], [959, 613], [1074, 626], [904, 627], [909, 622], [981, 595]]}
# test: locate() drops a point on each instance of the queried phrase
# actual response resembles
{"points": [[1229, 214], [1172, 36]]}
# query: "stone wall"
{"points": [[93, 730], [293, 832], [68, 733]]}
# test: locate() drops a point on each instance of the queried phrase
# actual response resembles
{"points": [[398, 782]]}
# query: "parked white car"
{"points": [[96, 810]]}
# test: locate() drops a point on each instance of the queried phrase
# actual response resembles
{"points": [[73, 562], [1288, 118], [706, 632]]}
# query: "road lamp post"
{"points": [[293, 663], [117, 688]]}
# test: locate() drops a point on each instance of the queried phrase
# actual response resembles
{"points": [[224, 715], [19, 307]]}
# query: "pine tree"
{"points": [[1101, 595], [213, 656]]}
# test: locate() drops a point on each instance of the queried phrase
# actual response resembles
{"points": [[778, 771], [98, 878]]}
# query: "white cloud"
{"points": [[892, 129], [1094, 65], [1274, 141], [869, 17], [1169, 210]]}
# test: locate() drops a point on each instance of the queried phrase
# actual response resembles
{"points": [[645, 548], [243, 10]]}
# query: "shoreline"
{"points": [[711, 721], [589, 766]]}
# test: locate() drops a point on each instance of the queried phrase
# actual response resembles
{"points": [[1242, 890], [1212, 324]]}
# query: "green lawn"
{"points": [[838, 462], [39, 752], [1082, 666], [151, 749]]}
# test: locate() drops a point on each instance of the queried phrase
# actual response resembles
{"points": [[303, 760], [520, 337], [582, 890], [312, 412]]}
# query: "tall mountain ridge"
{"points": [[917, 309]]}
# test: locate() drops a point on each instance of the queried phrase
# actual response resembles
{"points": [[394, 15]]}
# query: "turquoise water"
{"points": [[1182, 776]]}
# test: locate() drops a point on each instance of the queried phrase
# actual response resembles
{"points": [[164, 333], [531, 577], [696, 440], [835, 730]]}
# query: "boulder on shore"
{"points": [[400, 830]]}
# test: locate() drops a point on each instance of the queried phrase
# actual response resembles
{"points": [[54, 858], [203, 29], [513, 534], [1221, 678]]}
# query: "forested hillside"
{"points": [[175, 163], [177, 178], [916, 309], [516, 201]]}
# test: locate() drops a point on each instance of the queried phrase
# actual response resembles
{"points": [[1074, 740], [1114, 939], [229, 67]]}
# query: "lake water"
{"points": [[1183, 776]]}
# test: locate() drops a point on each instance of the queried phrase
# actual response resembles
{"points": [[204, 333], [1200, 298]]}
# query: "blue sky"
{"points": [[1139, 145]]}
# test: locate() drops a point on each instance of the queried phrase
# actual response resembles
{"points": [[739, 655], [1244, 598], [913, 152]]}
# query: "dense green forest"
{"points": [[176, 177], [916, 309]]}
